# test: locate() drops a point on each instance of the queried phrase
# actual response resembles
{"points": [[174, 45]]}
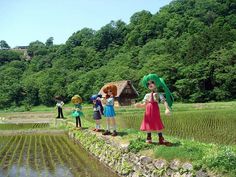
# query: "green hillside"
{"points": [[190, 43]]}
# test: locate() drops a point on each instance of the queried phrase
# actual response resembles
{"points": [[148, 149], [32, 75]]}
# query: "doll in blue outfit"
{"points": [[77, 113], [109, 112], [97, 111]]}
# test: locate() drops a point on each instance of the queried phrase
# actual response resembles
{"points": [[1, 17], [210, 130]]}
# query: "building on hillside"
{"points": [[126, 93], [20, 47]]}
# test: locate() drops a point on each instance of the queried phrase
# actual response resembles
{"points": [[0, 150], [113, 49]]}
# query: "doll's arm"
{"points": [[167, 108], [167, 111], [78, 108], [143, 103], [99, 109], [140, 105], [104, 101]]}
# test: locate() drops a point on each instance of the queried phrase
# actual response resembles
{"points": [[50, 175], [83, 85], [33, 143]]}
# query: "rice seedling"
{"points": [[210, 122], [57, 157], [23, 126], [65, 156], [28, 156], [48, 154], [74, 154], [14, 156], [5, 144], [21, 157], [44, 155], [73, 151], [6, 153], [35, 163]]}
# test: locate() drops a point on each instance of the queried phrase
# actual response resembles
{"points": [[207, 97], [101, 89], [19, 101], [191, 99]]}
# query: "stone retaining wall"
{"points": [[125, 163]]}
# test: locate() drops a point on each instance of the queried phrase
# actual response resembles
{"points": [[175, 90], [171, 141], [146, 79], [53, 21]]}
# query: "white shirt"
{"points": [[60, 104], [156, 97]]}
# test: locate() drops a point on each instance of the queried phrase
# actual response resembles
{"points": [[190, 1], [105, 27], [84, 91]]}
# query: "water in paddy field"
{"points": [[47, 156]]}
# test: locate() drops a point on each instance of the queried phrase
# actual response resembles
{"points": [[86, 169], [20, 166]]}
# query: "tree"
{"points": [[4, 45], [11, 92], [141, 28], [49, 42], [7, 56], [36, 48], [111, 34], [83, 37]]}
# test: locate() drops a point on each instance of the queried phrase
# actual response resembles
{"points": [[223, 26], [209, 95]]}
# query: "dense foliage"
{"points": [[190, 43]]}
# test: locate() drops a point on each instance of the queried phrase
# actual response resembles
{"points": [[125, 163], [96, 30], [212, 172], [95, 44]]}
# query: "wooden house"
{"points": [[126, 93]]}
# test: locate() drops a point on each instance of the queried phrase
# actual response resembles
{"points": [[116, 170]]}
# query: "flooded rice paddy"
{"points": [[45, 155]]}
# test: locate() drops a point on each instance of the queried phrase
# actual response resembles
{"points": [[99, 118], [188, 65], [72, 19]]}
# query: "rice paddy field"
{"points": [[23, 126], [45, 155], [205, 122], [203, 134], [30, 146]]}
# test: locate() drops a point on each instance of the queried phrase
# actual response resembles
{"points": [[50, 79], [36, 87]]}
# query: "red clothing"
{"points": [[152, 119]]}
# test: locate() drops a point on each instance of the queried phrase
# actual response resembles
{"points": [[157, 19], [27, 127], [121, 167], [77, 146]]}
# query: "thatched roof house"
{"points": [[126, 93]]}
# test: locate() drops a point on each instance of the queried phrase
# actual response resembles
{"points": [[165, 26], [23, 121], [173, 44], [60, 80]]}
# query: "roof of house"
{"points": [[120, 87], [20, 47]]}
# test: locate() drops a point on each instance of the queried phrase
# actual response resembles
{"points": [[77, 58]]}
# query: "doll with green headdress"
{"points": [[77, 112], [152, 120]]}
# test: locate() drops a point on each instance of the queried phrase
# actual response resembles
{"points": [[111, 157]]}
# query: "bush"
{"points": [[138, 144], [224, 160]]}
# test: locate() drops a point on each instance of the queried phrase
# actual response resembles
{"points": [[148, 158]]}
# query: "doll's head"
{"points": [[95, 98], [58, 98], [151, 85], [110, 90], [76, 99], [153, 81]]}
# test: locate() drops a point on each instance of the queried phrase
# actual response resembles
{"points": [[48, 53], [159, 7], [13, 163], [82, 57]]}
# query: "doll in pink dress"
{"points": [[152, 120]]}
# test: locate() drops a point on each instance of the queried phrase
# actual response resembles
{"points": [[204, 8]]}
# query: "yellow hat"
{"points": [[76, 99]]}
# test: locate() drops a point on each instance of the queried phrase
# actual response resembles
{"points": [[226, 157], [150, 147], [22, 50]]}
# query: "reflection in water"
{"points": [[14, 171], [47, 156]]}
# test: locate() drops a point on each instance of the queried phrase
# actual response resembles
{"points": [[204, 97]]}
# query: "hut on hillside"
{"points": [[126, 93], [20, 47]]}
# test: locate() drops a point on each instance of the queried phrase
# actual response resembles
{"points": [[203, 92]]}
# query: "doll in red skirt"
{"points": [[152, 120]]}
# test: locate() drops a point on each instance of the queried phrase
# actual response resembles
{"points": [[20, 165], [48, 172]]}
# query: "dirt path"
{"points": [[28, 117], [25, 132], [39, 121]]}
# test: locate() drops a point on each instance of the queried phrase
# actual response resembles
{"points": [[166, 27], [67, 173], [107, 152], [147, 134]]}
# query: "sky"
{"points": [[25, 21]]}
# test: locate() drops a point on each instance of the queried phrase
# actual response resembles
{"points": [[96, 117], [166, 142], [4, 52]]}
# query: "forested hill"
{"points": [[190, 43]]}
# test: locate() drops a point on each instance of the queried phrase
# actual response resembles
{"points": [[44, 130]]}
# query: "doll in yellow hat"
{"points": [[77, 112]]}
